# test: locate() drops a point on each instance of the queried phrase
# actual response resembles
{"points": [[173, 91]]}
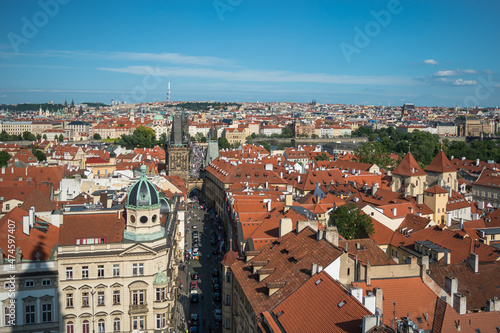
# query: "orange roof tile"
{"points": [[409, 167]]}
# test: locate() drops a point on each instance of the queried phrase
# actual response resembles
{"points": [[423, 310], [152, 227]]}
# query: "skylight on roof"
{"points": [[341, 304]]}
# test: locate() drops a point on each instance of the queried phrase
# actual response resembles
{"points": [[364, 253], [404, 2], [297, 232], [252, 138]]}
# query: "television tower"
{"points": [[168, 91]]}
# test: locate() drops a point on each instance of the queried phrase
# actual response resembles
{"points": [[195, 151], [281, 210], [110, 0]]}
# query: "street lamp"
{"points": [[93, 313]]}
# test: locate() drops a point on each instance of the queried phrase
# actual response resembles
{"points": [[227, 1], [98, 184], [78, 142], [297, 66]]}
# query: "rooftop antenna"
{"points": [[168, 90]]}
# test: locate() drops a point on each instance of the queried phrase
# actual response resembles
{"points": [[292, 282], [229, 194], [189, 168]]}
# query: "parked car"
{"points": [[195, 298], [215, 273], [216, 280], [194, 319], [216, 287], [195, 276], [194, 287], [218, 315], [217, 297]]}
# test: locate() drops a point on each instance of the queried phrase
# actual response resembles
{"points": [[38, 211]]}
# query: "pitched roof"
{"points": [[39, 200], [436, 189], [291, 257], [405, 297], [99, 225], [440, 164], [447, 320], [478, 287], [409, 167], [333, 309], [42, 238], [366, 250]]}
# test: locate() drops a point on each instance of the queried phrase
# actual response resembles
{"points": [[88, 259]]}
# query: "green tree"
{"points": [[40, 155], [351, 222], [199, 137], [374, 153], [223, 143], [28, 136], [97, 136], [266, 145], [4, 158], [61, 138], [322, 157], [44, 136], [38, 136], [314, 136], [287, 132]]}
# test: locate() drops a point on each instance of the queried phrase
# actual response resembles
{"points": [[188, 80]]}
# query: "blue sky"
{"points": [[354, 52]]}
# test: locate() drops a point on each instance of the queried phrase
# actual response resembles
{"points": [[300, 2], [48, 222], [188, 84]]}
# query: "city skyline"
{"points": [[377, 53]]}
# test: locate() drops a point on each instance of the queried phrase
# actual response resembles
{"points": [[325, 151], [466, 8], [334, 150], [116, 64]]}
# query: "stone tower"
{"points": [[177, 149]]}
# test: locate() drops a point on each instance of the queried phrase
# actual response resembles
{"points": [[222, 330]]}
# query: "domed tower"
{"points": [[143, 211]]}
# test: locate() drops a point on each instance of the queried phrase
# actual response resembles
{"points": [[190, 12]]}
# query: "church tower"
{"points": [[177, 149]]}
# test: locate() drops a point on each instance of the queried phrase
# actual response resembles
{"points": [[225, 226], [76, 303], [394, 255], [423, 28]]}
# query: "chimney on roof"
{"points": [[493, 304], [473, 262], [394, 211], [26, 225], [420, 199], [314, 268], [3, 170], [425, 266], [447, 258], [332, 235], [31, 215], [285, 226], [374, 189], [379, 299], [480, 205], [451, 286], [477, 162], [369, 322], [368, 274], [460, 303]]}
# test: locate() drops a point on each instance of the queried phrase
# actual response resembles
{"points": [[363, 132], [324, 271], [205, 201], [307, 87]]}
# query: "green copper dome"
{"points": [[160, 278], [143, 193]]}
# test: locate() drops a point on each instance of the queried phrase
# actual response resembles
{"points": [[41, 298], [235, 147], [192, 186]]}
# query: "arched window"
{"points": [[69, 327], [85, 327], [100, 326], [416, 183], [116, 325], [153, 218]]}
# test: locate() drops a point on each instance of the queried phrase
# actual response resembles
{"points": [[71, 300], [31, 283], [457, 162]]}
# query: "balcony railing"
{"points": [[138, 308]]}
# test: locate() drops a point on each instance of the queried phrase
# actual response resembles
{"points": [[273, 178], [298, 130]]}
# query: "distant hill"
{"points": [[201, 106], [30, 107]]}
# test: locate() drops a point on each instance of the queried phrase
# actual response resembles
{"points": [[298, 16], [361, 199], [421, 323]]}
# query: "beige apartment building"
{"points": [[118, 273]]}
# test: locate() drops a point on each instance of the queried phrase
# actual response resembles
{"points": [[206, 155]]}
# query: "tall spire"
{"points": [[168, 90]]}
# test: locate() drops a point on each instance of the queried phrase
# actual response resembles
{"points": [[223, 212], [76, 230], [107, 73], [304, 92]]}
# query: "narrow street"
{"points": [[208, 260]]}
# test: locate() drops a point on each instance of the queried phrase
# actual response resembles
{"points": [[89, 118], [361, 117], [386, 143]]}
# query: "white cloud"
{"points": [[467, 71], [446, 73], [461, 82], [261, 75], [455, 72], [174, 58], [3, 96], [430, 62]]}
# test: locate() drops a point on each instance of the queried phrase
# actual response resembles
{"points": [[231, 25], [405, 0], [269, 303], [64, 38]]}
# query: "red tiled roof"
{"points": [[440, 164], [405, 297], [37, 241], [409, 167], [448, 319], [105, 225], [291, 258], [478, 287], [297, 313], [436, 189]]}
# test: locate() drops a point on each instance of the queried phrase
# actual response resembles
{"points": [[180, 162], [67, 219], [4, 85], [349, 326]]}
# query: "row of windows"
{"points": [[138, 297], [137, 270], [30, 314], [29, 283], [138, 323]]}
